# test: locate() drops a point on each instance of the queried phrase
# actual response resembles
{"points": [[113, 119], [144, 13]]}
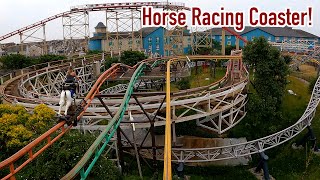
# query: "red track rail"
{"points": [[47, 136], [235, 34], [95, 7]]}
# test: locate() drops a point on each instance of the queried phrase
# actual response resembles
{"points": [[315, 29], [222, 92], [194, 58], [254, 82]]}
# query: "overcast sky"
{"points": [[15, 14]]}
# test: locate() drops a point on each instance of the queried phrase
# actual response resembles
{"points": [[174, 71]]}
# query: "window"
{"points": [[157, 39], [150, 47], [316, 40], [157, 47], [229, 37], [277, 38], [229, 42], [220, 37], [130, 41], [269, 38], [150, 39]]}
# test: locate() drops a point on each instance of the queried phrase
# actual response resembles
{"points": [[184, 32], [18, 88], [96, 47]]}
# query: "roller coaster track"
{"points": [[84, 104], [186, 155], [203, 91], [56, 132], [311, 49], [49, 137], [106, 134], [95, 7]]}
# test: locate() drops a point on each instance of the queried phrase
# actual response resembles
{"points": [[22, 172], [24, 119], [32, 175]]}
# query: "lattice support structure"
{"points": [[33, 41], [173, 44], [200, 38], [173, 36], [75, 29], [296, 45], [123, 29]]}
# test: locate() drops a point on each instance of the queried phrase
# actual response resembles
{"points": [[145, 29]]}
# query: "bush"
{"points": [[287, 59], [183, 84], [131, 58], [63, 155], [41, 118], [15, 61], [18, 61], [18, 127], [110, 60], [90, 52], [47, 58], [229, 48]]}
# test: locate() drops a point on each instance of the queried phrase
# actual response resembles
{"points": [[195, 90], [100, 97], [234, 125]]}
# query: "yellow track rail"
{"points": [[167, 170]]}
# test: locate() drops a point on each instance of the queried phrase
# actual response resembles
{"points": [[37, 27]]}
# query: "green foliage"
{"points": [[90, 52], [216, 45], [131, 58], [219, 172], [271, 70], [12, 133], [110, 60], [215, 52], [18, 61], [204, 50], [47, 58], [40, 119], [63, 155], [18, 127], [264, 115], [229, 48], [287, 59], [15, 61], [183, 84]]}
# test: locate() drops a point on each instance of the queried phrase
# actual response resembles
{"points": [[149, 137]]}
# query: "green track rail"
{"points": [[96, 149]]}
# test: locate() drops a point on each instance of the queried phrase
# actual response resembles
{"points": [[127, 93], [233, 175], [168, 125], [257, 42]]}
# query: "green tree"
{"points": [[47, 58], [269, 82], [287, 59], [216, 45], [90, 52], [271, 70], [15, 61], [110, 60], [204, 50], [131, 58], [229, 48]]}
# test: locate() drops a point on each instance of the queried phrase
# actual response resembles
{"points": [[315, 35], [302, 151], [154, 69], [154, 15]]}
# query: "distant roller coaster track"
{"points": [[103, 7], [194, 97]]}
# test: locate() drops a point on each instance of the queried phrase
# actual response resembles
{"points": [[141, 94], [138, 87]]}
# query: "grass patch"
{"points": [[199, 79], [306, 72]]}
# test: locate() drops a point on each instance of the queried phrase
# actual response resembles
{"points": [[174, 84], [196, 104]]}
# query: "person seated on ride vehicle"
{"points": [[70, 82]]}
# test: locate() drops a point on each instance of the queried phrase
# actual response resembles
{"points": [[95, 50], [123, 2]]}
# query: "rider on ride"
{"points": [[70, 82]]}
